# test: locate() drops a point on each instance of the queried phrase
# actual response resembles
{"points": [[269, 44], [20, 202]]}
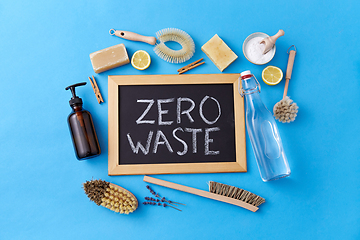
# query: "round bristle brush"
{"points": [[174, 35], [286, 110], [111, 196], [166, 35]]}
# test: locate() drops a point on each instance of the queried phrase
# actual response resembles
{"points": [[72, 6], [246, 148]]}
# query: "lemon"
{"points": [[272, 75], [140, 60]]}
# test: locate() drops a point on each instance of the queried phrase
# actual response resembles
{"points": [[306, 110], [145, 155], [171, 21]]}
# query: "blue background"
{"points": [[45, 46]]}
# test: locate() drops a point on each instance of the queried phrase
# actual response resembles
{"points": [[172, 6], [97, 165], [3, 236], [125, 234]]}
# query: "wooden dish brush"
{"points": [[286, 110], [111, 196], [163, 36]]}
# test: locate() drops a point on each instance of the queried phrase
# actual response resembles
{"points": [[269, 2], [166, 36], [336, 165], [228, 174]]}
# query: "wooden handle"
{"points": [[276, 36], [200, 193], [286, 88], [290, 64], [135, 37], [289, 70]]}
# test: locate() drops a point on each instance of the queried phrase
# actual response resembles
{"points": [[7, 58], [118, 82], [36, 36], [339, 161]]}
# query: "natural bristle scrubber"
{"points": [[219, 53], [236, 193], [174, 35], [286, 110], [163, 36], [111, 196]]}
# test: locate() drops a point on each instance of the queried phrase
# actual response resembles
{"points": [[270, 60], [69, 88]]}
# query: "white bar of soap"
{"points": [[219, 53], [109, 58]]}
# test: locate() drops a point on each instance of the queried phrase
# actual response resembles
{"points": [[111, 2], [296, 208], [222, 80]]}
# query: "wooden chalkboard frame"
{"points": [[114, 168]]}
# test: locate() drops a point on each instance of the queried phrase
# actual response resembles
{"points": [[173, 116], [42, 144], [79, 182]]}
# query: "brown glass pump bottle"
{"points": [[81, 127]]}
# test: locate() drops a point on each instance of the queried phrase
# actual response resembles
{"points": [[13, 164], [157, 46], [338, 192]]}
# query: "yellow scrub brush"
{"points": [[111, 196], [286, 110], [163, 36]]}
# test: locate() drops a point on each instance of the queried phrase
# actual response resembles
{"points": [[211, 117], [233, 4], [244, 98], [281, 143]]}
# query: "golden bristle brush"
{"points": [[111, 196], [217, 191], [286, 110], [165, 35]]}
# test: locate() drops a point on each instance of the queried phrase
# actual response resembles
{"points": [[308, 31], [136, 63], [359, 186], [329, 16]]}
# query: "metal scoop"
{"points": [[269, 42]]}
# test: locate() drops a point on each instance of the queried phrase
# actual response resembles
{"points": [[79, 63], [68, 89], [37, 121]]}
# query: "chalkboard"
{"points": [[162, 124]]}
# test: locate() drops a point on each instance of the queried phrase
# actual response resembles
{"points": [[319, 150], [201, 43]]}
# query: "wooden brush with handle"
{"points": [[286, 110], [163, 36], [218, 191]]}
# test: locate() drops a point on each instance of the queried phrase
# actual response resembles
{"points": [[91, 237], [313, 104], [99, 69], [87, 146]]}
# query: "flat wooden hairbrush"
{"points": [[111, 196]]}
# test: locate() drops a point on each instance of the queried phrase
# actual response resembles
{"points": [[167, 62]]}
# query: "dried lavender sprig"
{"points": [[166, 205], [169, 201], [157, 200], [163, 199], [159, 204], [152, 199]]}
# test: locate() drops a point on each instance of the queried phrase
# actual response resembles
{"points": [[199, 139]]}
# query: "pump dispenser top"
{"points": [[75, 99], [81, 127]]}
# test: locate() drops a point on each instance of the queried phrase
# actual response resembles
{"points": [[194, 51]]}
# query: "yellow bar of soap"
{"points": [[109, 58], [219, 53]]}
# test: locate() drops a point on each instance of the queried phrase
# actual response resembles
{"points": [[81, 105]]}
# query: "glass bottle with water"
{"points": [[263, 132]]}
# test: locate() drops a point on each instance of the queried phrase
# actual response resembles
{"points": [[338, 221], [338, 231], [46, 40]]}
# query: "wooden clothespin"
{"points": [[191, 66], [96, 90]]}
